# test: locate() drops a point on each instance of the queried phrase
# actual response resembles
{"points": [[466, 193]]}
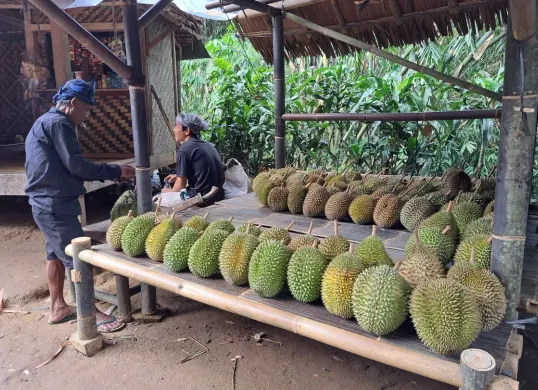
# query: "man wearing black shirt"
{"points": [[198, 164]]}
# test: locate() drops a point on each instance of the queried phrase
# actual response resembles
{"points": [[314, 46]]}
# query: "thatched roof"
{"points": [[382, 23]]}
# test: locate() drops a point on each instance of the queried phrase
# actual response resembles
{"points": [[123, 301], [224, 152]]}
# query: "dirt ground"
{"points": [[148, 355]]}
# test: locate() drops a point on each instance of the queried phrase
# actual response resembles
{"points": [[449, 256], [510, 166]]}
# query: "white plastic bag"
{"points": [[169, 199], [236, 181]]}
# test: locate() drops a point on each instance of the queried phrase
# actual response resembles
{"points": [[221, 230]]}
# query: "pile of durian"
{"points": [[447, 309], [368, 199]]}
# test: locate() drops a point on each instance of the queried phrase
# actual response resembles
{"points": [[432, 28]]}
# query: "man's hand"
{"points": [[171, 179], [127, 172]]}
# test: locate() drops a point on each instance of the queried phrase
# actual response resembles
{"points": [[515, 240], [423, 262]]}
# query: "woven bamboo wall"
{"points": [[98, 14], [108, 133], [15, 112], [161, 75]]}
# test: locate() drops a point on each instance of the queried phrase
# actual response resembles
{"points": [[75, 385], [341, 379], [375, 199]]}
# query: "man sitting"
{"points": [[56, 172], [198, 163]]}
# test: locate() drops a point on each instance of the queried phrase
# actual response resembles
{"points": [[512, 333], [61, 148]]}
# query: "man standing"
{"points": [[56, 172], [198, 166]]}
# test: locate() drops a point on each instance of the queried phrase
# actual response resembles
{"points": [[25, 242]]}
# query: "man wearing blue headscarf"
{"points": [[56, 172]]}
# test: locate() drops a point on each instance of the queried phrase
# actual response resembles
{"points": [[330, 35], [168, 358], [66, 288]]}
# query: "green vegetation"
{"points": [[234, 92]]}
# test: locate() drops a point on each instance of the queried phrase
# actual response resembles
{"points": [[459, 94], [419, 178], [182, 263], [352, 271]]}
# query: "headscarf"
{"points": [[193, 122], [76, 88]]}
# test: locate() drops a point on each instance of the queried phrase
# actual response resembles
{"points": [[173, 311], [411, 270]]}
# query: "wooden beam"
{"points": [[174, 72], [160, 37], [410, 15], [94, 27], [60, 54], [338, 13]]}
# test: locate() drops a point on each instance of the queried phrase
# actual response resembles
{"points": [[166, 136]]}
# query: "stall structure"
{"points": [[492, 361], [38, 57]]}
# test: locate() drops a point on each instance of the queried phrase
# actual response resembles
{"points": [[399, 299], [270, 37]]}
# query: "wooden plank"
{"points": [[92, 27], [60, 54]]}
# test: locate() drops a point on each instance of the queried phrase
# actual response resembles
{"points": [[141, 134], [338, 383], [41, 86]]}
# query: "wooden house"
{"points": [[37, 57]]}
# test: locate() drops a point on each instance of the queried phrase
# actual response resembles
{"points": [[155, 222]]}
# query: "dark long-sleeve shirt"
{"points": [[55, 167]]}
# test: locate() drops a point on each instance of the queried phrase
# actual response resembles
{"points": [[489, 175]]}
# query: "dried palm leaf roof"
{"points": [[383, 23]]}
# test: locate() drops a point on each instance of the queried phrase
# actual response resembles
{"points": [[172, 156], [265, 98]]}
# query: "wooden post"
{"points": [[125, 313], [477, 369], [83, 278], [60, 54], [515, 166], [149, 299], [280, 91]]}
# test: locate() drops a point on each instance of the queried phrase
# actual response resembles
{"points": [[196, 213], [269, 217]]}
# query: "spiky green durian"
{"points": [[235, 257], [204, 254], [268, 267], [133, 239], [379, 299], [116, 229], [305, 272], [176, 251], [371, 251]]}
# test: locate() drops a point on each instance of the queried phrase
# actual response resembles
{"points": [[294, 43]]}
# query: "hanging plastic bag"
{"points": [[236, 182]]}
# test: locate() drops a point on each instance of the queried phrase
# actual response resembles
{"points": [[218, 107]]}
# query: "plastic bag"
{"points": [[170, 199], [236, 181]]}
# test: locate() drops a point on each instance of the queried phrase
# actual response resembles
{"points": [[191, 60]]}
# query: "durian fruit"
{"points": [[296, 197], [297, 178], [235, 256], [286, 172], [481, 243], [176, 251], [478, 226], [466, 212], [197, 222], [372, 183], [333, 190], [489, 208], [456, 180], [473, 197], [305, 272], [159, 237], [314, 202], [340, 185], [204, 254], [268, 268], [125, 203], [260, 179], [303, 240], [361, 209], [446, 315], [265, 187], [387, 210], [441, 219], [277, 200], [488, 195], [438, 198], [415, 211], [337, 206], [332, 246], [116, 229], [339, 178], [380, 299], [277, 233], [352, 176], [252, 229], [371, 251], [356, 188], [440, 241], [133, 239], [337, 283], [421, 264], [487, 288], [222, 224]]}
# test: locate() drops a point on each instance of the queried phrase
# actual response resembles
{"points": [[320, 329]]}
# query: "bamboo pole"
{"points": [[427, 365], [395, 116], [432, 367], [393, 58], [516, 161]]}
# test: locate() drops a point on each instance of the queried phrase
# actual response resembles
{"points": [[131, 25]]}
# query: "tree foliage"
{"points": [[234, 92]]}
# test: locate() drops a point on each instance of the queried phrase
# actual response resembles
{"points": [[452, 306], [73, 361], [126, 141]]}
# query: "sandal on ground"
{"points": [[70, 317], [101, 328]]}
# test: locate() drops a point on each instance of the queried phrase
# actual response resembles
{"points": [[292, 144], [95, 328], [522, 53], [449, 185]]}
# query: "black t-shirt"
{"points": [[200, 163]]}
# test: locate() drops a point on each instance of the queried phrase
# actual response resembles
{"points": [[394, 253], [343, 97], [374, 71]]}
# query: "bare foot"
{"points": [[60, 311]]}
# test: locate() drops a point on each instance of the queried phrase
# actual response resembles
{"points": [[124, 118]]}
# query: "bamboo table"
{"points": [[401, 349]]}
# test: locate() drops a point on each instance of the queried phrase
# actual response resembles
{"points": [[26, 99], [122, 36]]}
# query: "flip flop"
{"points": [[71, 316], [110, 319]]}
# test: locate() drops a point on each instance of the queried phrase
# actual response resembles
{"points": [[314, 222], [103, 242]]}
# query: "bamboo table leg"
{"points": [[86, 339], [124, 299]]}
